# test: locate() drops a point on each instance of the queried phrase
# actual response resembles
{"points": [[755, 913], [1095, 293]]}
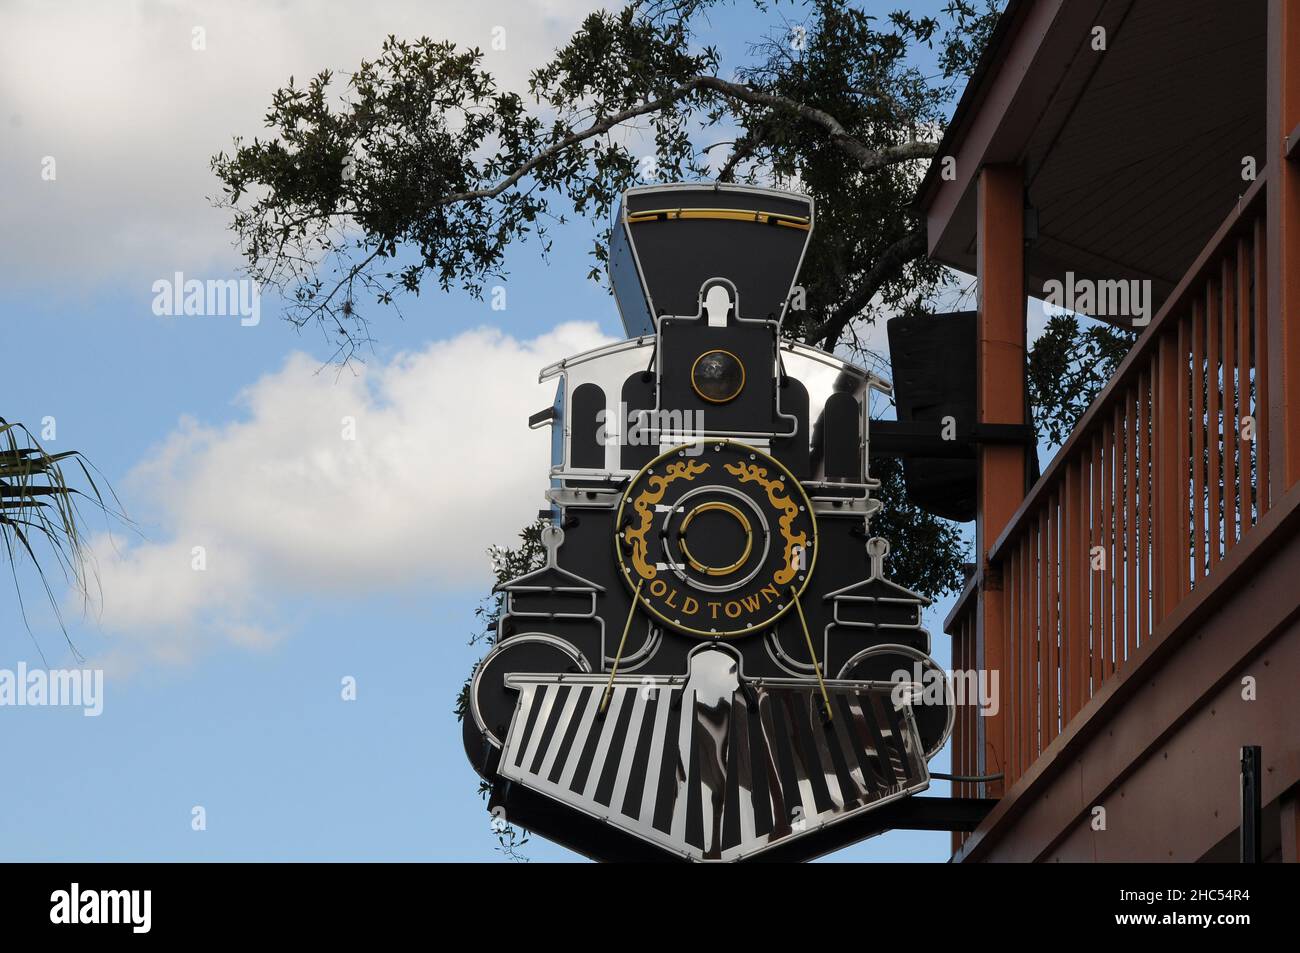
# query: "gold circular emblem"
{"points": [[730, 511], [684, 518]]}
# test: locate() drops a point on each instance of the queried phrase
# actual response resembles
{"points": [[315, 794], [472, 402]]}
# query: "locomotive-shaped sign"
{"points": [[711, 663]]}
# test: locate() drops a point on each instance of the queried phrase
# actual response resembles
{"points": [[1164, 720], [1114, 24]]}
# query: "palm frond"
{"points": [[39, 513]]}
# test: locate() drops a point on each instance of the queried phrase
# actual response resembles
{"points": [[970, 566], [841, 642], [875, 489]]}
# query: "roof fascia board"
{"points": [[1038, 57]]}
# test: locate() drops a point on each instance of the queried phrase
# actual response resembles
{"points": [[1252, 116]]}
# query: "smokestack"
{"points": [[670, 239]]}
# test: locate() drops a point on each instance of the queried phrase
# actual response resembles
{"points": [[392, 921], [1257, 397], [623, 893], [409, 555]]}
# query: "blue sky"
{"points": [[223, 688]]}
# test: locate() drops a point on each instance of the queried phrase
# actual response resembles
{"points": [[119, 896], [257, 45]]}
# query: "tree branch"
{"points": [[868, 159], [907, 248], [741, 150], [600, 127]]}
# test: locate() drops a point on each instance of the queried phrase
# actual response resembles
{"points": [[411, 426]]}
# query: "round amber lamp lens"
{"points": [[718, 376]]}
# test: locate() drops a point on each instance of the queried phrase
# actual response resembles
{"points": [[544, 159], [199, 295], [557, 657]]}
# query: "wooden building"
{"points": [[1141, 600]]}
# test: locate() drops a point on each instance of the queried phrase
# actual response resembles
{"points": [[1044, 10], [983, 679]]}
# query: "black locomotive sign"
{"points": [[711, 664]]}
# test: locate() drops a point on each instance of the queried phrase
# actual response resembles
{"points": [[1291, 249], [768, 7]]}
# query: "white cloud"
{"points": [[131, 113], [442, 465]]}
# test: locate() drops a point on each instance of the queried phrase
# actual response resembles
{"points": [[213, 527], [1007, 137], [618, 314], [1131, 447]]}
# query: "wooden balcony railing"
{"points": [[1164, 474]]}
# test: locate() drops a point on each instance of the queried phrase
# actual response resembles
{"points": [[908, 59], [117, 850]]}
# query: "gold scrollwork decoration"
{"points": [[775, 488], [644, 506]]}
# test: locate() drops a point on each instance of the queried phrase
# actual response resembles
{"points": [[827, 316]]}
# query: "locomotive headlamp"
{"points": [[718, 376]]}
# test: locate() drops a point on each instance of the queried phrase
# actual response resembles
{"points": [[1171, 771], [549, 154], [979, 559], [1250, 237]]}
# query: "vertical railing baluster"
{"points": [[1018, 651], [1229, 286], [961, 763], [1106, 539], [1043, 615], [1263, 486], [1028, 588], [1069, 542], [1141, 479], [959, 743], [1011, 675], [1200, 387], [1245, 447], [1130, 524], [1117, 576], [1175, 417], [1077, 634], [1158, 495], [1053, 609], [1213, 336], [973, 721], [1079, 585], [1168, 412], [1095, 577], [962, 750], [1011, 570]]}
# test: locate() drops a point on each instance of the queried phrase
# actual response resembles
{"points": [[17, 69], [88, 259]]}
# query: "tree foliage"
{"points": [[39, 515], [417, 167], [927, 554], [1068, 367]]}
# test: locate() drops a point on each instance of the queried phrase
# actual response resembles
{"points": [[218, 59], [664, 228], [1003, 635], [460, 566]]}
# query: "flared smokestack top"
{"points": [[671, 239]]}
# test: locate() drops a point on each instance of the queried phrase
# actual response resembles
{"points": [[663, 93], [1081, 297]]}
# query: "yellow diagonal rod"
{"points": [[821, 682], [604, 701]]}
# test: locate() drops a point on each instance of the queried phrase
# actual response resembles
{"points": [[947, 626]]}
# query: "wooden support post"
{"points": [[1283, 329], [1001, 400]]}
